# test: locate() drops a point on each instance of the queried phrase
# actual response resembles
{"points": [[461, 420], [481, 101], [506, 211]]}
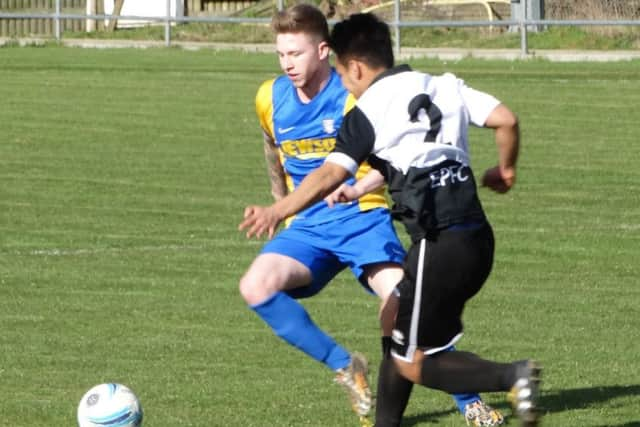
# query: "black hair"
{"points": [[364, 37]]}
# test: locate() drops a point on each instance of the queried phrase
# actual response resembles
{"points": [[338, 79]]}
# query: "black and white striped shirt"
{"points": [[413, 128]]}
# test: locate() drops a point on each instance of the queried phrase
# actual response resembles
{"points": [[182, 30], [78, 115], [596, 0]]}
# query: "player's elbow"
{"points": [[510, 119], [502, 118]]}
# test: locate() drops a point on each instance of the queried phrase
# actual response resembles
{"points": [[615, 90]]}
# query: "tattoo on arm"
{"points": [[275, 169]]}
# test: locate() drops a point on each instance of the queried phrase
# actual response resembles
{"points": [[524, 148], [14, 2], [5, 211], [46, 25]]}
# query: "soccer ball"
{"points": [[109, 405]]}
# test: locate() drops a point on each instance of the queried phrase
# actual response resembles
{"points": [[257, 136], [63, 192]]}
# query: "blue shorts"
{"points": [[326, 249]]}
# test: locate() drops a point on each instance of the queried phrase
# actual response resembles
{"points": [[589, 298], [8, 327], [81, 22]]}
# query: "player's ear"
{"points": [[355, 69], [323, 50]]}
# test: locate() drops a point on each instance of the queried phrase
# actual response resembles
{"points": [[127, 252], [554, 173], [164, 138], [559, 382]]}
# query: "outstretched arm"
{"points": [[259, 220], [507, 134]]}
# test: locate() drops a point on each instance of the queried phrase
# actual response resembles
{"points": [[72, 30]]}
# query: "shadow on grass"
{"points": [[552, 401], [580, 398], [427, 417]]}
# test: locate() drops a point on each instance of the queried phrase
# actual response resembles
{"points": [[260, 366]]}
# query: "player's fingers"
{"points": [[500, 187], [503, 188], [248, 218], [254, 230], [247, 222], [486, 178]]}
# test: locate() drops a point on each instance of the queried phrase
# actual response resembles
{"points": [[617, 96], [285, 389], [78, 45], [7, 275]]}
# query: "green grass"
{"points": [[124, 175]]}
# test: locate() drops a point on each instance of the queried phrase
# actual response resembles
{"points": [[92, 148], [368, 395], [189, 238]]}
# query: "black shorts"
{"points": [[440, 274]]}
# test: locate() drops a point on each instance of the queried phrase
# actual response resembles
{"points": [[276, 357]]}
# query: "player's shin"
{"points": [[393, 390], [460, 372], [290, 321], [463, 399]]}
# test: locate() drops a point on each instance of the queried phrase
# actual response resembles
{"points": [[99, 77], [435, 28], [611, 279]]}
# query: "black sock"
{"points": [[463, 372], [393, 390]]}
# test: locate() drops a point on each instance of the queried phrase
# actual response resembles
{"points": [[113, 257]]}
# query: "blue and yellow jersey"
{"points": [[305, 134]]}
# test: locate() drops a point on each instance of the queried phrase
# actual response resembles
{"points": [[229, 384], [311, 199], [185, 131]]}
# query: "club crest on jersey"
{"points": [[328, 126]]}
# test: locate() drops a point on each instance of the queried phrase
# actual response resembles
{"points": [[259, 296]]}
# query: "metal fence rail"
{"points": [[522, 25]]}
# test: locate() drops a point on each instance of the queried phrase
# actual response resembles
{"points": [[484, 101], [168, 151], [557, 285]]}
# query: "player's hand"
{"points": [[499, 180], [259, 220], [343, 194]]}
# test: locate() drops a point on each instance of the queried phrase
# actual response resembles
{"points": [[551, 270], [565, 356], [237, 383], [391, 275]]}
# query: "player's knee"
{"points": [[256, 288], [383, 278], [248, 289], [410, 370]]}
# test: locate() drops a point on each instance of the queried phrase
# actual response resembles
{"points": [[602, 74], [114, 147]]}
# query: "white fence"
{"points": [[522, 25]]}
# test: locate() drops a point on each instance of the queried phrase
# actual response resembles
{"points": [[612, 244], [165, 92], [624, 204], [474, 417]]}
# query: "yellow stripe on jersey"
{"points": [[264, 107], [289, 182], [349, 103], [375, 199]]}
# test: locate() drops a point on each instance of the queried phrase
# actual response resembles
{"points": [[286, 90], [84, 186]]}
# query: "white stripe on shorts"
{"points": [[415, 315], [417, 300]]}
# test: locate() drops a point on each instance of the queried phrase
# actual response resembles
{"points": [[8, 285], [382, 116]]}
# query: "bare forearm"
{"points": [[370, 182], [507, 136], [508, 140], [312, 189], [275, 170]]}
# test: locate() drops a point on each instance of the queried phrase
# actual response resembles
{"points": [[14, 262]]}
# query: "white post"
{"points": [[167, 26], [396, 10], [91, 10], [57, 20], [524, 49]]}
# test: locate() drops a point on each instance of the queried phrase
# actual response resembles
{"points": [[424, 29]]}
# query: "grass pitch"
{"points": [[125, 173]]}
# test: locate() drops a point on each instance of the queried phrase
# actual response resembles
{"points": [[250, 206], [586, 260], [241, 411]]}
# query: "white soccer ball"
{"points": [[113, 405]]}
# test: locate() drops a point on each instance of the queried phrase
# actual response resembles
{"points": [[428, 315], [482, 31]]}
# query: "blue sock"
{"points": [[463, 399], [290, 321]]}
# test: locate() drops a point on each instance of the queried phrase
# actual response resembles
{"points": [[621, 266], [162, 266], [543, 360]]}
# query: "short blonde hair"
{"points": [[301, 18]]}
